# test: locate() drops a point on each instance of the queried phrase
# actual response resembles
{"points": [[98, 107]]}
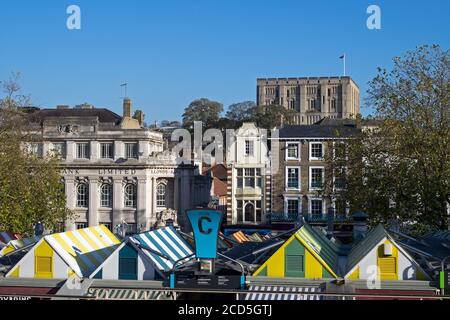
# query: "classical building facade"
{"points": [[297, 184], [248, 190], [115, 171], [313, 98]]}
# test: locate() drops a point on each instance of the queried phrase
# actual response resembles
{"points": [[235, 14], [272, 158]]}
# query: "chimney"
{"points": [[127, 107], [140, 117], [359, 225]]}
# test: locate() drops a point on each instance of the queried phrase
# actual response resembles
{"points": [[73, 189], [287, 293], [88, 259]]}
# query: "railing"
{"points": [[277, 217]]}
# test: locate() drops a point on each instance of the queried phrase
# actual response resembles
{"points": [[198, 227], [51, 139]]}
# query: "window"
{"points": [[293, 178], [107, 150], [131, 228], [81, 225], [59, 150], [106, 195], [82, 195], [292, 151], [161, 195], [316, 207], [83, 150], [36, 149], [249, 211], [315, 151], [292, 206], [130, 196], [333, 104], [340, 207], [316, 177], [249, 145], [249, 178], [294, 265], [131, 150]]}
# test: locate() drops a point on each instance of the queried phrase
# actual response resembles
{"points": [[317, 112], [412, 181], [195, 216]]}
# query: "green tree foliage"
{"points": [[204, 110], [31, 189], [272, 116], [401, 170], [241, 111]]}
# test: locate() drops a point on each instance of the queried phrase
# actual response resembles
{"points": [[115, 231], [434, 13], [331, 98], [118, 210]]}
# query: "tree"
{"points": [[272, 116], [241, 111], [401, 170], [31, 190], [203, 110]]}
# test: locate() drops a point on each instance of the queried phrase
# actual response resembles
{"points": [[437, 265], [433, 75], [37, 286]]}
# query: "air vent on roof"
{"points": [[62, 107], [84, 106]]}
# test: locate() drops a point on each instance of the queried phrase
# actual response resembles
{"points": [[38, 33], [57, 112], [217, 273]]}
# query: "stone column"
{"points": [[70, 200], [95, 150], [93, 202], [154, 182], [117, 202], [141, 214], [70, 151]]}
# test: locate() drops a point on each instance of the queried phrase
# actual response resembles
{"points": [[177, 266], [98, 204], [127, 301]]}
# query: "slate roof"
{"points": [[321, 245], [104, 115], [317, 131], [363, 247]]}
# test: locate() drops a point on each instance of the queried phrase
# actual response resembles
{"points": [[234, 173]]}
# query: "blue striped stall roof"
{"points": [[166, 241]]}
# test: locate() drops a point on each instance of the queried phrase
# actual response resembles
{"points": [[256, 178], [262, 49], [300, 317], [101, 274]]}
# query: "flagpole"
{"points": [[345, 67]]}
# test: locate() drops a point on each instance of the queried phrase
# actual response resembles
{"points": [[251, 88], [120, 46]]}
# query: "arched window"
{"points": [[82, 195], [130, 196], [106, 195], [161, 195]]}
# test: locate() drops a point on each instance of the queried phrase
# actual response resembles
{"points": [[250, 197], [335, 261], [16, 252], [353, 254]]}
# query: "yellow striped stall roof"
{"points": [[84, 249]]}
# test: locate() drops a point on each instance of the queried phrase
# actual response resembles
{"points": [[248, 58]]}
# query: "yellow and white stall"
{"points": [[61, 255]]}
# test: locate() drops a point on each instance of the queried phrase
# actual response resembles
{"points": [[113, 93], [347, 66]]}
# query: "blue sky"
{"points": [[172, 52]]}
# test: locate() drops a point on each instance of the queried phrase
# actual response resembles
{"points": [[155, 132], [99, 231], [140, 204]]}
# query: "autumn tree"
{"points": [[400, 170], [31, 190]]}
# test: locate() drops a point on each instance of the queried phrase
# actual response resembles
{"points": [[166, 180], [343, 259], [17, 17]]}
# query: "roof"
{"points": [[6, 237], [239, 237], [251, 252], [218, 171], [363, 247], [85, 249], [20, 243], [165, 241], [220, 187], [104, 115], [320, 244], [317, 131]]}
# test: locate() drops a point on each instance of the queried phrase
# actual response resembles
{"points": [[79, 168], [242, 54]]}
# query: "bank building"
{"points": [[116, 171]]}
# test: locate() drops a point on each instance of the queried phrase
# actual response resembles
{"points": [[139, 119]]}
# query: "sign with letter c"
{"points": [[205, 225]]}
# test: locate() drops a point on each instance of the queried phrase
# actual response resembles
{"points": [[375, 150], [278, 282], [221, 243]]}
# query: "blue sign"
{"points": [[205, 225]]}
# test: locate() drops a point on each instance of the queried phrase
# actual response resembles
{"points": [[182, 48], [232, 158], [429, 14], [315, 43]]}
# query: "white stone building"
{"points": [[115, 171], [248, 190]]}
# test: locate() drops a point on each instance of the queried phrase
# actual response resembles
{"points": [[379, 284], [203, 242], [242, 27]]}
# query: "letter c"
{"points": [[200, 225]]}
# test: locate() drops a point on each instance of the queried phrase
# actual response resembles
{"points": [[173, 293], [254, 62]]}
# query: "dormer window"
{"points": [[249, 148]]}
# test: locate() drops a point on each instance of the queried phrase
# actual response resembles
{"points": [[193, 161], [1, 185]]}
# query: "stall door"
{"points": [[294, 263], [43, 261], [128, 263]]}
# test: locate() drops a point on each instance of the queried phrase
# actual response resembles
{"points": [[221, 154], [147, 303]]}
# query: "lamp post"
{"points": [[442, 273]]}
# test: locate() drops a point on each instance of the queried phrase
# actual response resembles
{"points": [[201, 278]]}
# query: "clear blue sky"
{"points": [[172, 52]]}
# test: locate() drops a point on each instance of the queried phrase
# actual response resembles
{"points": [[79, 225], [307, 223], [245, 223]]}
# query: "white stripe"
{"points": [[94, 238], [163, 245], [152, 246], [174, 245], [179, 241], [65, 255], [104, 235], [82, 256]]}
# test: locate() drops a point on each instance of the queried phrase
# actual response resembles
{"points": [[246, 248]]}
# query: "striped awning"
{"points": [[129, 294], [283, 293], [165, 241], [239, 237], [84, 249]]}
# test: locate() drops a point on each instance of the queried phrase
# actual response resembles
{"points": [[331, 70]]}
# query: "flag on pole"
{"points": [[342, 57]]}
